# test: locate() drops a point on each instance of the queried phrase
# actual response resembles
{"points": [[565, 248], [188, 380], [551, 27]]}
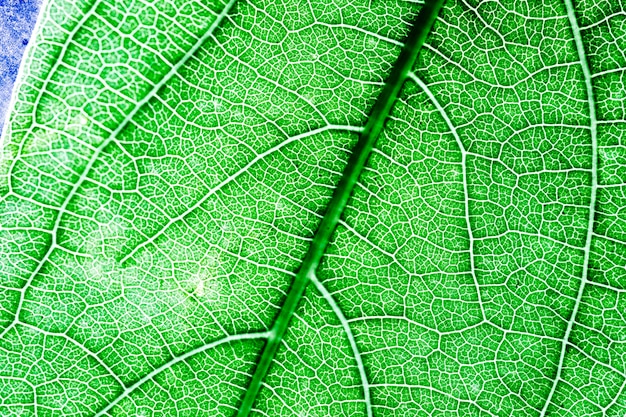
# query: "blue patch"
{"points": [[17, 19]]}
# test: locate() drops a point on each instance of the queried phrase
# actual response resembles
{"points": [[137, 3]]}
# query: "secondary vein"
{"points": [[571, 13], [414, 42]]}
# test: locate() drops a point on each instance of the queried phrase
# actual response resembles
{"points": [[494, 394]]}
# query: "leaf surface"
{"points": [[166, 166]]}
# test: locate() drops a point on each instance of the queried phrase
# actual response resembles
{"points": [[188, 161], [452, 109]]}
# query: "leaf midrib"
{"points": [[375, 123]]}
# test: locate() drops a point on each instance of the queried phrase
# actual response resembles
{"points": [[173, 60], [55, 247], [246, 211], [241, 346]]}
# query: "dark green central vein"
{"points": [[356, 162]]}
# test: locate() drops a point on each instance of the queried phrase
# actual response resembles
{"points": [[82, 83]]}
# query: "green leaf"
{"points": [[167, 174]]}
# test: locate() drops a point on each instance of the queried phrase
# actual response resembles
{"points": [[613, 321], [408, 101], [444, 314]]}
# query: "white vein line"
{"points": [[355, 350], [610, 239], [607, 72], [571, 14], [357, 29], [126, 392], [103, 145], [604, 20], [233, 177], [607, 287], [466, 196]]}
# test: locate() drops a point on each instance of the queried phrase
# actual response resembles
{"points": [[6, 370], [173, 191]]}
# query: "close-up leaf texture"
{"points": [[192, 223]]}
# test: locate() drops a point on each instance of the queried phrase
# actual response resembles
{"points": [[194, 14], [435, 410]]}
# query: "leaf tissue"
{"points": [[305, 208]]}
